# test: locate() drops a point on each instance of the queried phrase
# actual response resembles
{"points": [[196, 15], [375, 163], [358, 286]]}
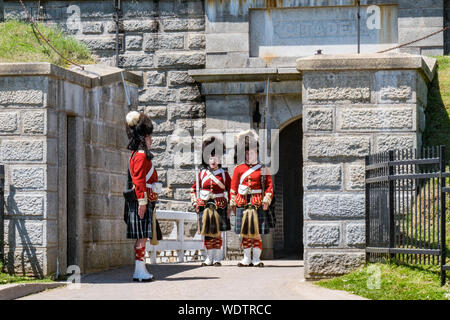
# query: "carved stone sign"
{"points": [[302, 31]]}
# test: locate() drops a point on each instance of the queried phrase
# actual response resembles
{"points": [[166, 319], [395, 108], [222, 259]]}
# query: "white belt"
{"points": [[219, 195], [244, 190], [155, 186], [207, 194]]}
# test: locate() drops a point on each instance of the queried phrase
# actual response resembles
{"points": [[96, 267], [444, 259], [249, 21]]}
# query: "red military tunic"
{"points": [[254, 182], [220, 194], [143, 174]]}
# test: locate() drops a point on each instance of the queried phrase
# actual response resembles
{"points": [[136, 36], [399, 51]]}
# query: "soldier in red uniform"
{"points": [[251, 195], [210, 200], [145, 183]]}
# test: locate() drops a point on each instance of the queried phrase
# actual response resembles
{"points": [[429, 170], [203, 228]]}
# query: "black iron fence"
{"points": [[406, 207]]}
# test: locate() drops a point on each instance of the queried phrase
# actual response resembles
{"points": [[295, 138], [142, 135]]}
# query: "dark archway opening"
{"points": [[288, 237]]}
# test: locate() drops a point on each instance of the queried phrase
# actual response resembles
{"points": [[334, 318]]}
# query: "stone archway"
{"points": [[288, 233]]}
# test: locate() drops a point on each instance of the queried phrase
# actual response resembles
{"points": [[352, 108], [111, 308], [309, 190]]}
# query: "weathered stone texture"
{"points": [[25, 262], [29, 178], [180, 176], [355, 235], [22, 150], [342, 87], [92, 28], [159, 95], [385, 142], [320, 264], [322, 177], [196, 41], [395, 86], [156, 112], [182, 59], [99, 42], [340, 146], [376, 119], [33, 122], [25, 205], [334, 206], [139, 25], [322, 234], [18, 232], [319, 119], [177, 78], [190, 93], [153, 42], [190, 111], [155, 78], [133, 42], [20, 96], [9, 122], [180, 24], [134, 60], [355, 177]]}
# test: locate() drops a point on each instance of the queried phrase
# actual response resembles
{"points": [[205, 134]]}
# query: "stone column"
{"points": [[353, 105], [29, 159]]}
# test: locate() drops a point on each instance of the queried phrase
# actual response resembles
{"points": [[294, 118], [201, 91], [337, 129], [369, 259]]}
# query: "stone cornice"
{"points": [[374, 61], [244, 74], [92, 76]]}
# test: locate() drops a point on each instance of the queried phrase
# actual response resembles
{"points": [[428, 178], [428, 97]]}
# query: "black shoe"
{"points": [[143, 280], [217, 264]]}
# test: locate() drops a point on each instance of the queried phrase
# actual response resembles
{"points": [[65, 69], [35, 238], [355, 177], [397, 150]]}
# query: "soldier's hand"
{"points": [[265, 206], [196, 209], [141, 211]]}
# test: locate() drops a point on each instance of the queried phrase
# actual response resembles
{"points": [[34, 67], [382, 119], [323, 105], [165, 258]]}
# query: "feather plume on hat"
{"points": [[251, 134], [132, 118]]}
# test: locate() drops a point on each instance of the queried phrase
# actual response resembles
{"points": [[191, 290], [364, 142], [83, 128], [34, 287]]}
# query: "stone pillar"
{"points": [[26, 151], [352, 105], [35, 102]]}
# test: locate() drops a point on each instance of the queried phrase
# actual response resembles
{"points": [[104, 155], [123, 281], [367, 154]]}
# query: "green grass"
{"points": [[7, 278], [437, 113], [397, 282], [20, 43]]}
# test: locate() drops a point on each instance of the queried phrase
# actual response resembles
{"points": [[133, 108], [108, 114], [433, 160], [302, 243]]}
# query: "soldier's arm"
{"points": [[268, 192], [138, 176]]}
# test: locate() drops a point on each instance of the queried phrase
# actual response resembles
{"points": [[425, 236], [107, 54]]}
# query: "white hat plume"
{"points": [[132, 118]]}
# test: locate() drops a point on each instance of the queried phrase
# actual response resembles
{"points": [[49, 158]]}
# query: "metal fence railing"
{"points": [[406, 207]]}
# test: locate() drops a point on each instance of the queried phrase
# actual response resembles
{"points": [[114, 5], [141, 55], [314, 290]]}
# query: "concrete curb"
{"points": [[13, 291]]}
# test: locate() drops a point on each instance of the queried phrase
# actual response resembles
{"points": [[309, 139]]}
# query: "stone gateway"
{"points": [[229, 65]]}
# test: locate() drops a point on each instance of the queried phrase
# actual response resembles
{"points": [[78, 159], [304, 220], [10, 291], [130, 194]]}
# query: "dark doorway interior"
{"points": [[71, 192], [289, 189]]}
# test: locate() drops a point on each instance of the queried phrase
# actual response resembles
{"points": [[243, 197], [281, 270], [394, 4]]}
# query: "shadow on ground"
{"points": [[161, 272]]}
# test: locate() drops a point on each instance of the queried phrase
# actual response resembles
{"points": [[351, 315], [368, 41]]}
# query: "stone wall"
{"points": [[62, 144], [446, 24], [234, 41], [352, 108], [159, 40]]}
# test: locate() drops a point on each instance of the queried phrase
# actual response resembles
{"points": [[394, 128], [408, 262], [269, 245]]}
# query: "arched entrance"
{"points": [[288, 236]]}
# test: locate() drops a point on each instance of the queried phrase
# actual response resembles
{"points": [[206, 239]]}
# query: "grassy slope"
{"points": [[437, 114], [411, 282], [19, 43], [437, 129], [396, 283]]}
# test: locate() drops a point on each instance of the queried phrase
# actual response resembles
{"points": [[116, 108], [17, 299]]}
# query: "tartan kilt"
{"points": [[138, 228], [263, 220], [224, 221]]}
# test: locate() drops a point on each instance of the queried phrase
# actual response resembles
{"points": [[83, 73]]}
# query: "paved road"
{"points": [[279, 279]]}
